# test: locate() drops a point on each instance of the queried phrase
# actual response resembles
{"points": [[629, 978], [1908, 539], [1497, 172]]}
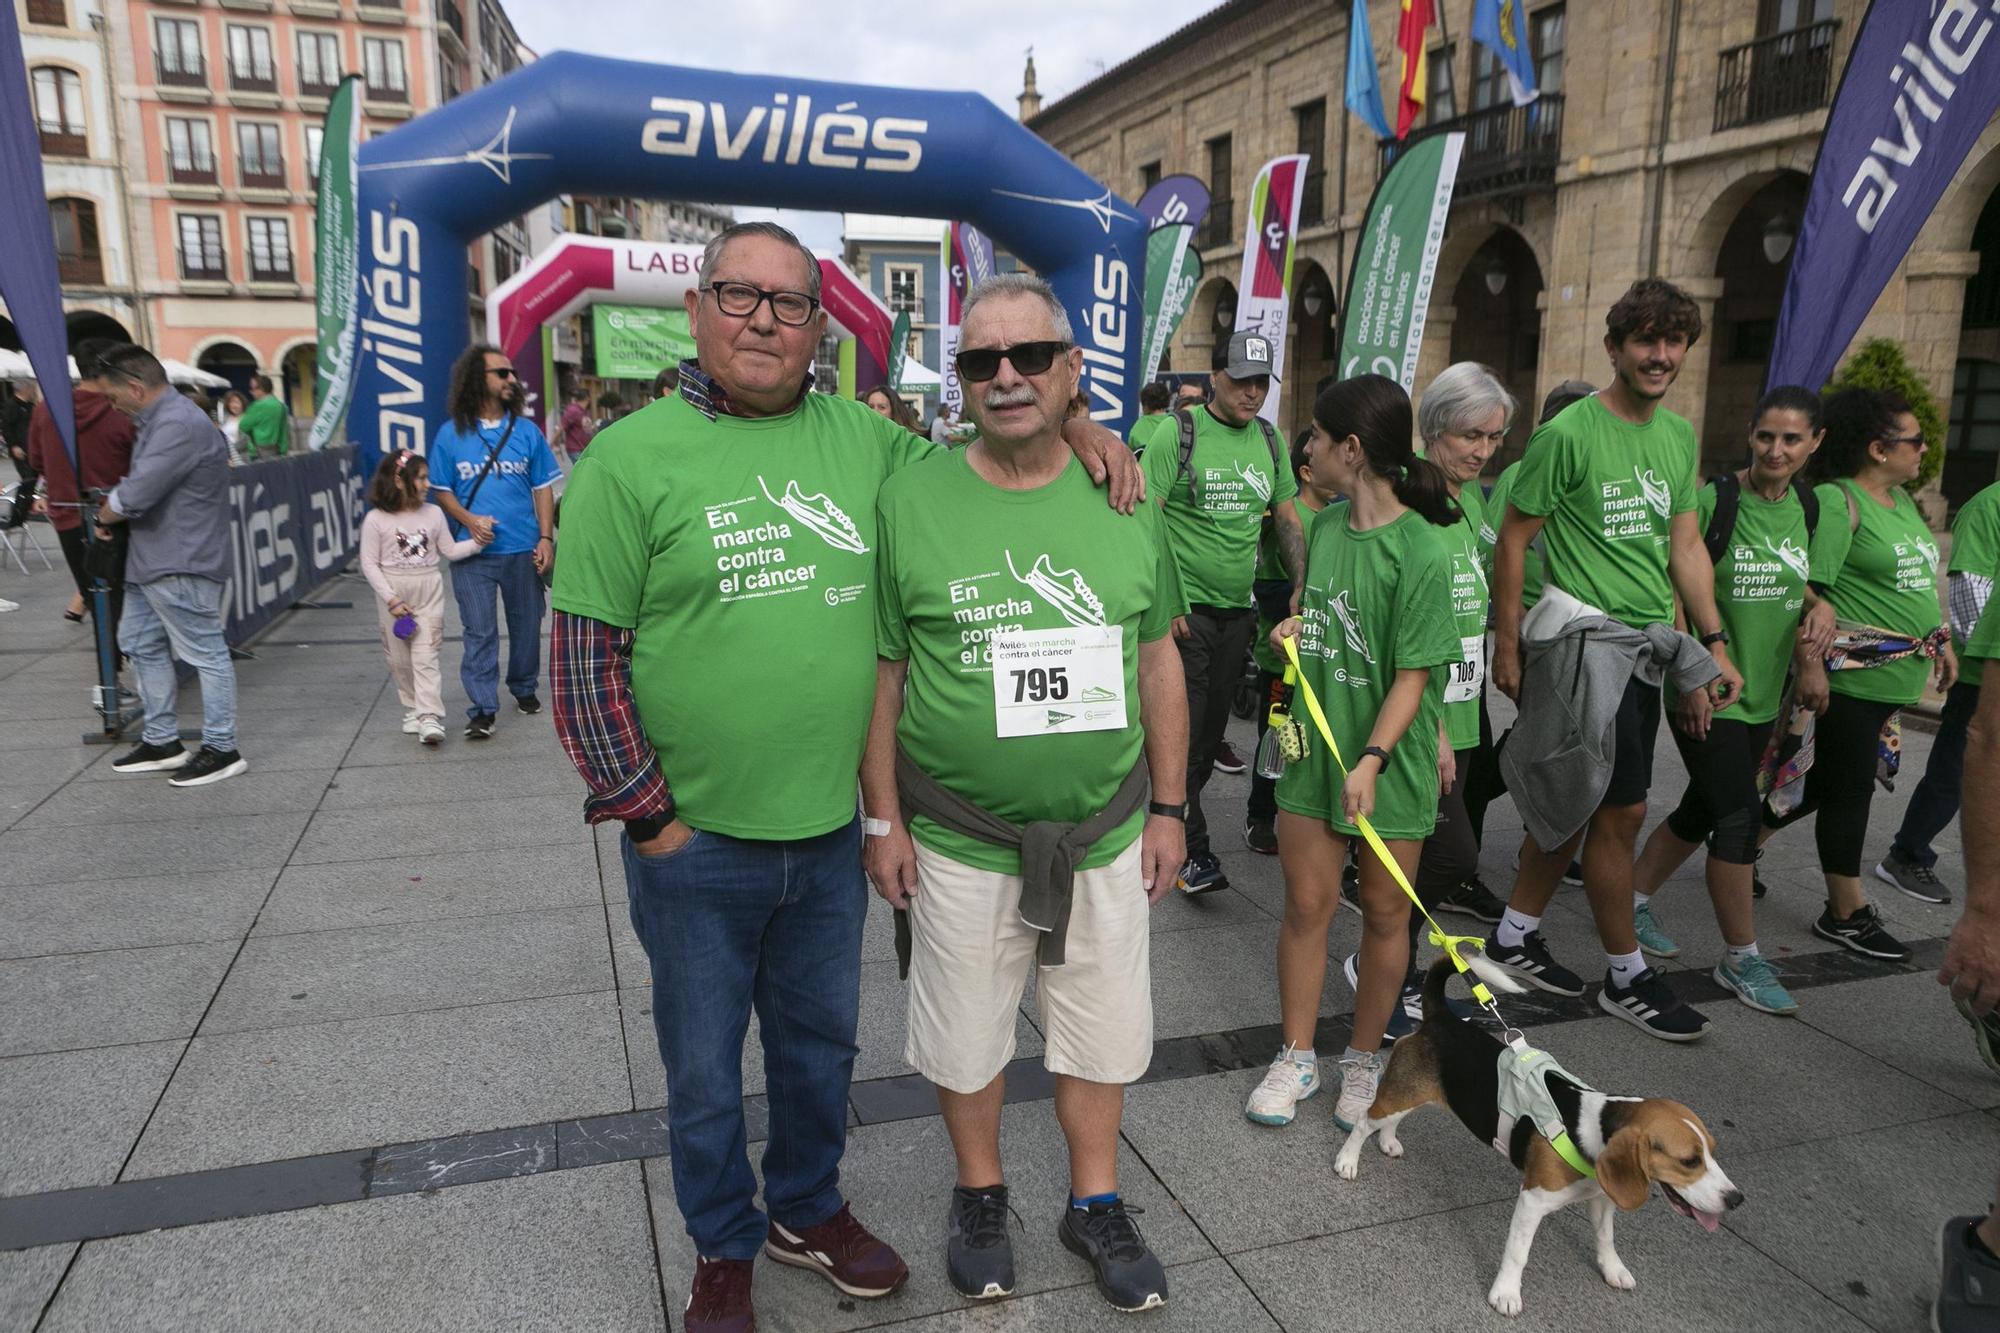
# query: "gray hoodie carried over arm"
{"points": [[1577, 662]]}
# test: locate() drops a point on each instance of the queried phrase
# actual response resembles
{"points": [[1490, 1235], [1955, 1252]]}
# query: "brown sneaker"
{"points": [[843, 1252], [720, 1300]]}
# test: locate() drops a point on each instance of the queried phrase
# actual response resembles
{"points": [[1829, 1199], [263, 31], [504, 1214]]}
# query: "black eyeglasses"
{"points": [[740, 300], [977, 365], [504, 372]]}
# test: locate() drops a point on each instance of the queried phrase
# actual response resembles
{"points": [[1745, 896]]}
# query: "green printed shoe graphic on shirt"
{"points": [[1760, 590], [1881, 571], [820, 514]]}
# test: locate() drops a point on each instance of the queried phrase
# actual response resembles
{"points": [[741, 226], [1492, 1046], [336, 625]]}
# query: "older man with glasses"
{"points": [[713, 660], [494, 474]]}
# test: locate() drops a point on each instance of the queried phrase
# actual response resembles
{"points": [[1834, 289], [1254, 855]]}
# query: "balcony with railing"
{"points": [[451, 18], [1508, 149], [1785, 74], [182, 73]]}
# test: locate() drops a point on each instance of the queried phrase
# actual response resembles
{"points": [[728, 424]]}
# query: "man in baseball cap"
{"points": [[1216, 483]]}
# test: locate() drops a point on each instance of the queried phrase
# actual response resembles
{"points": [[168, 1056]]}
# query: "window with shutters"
{"points": [[270, 250], [251, 66], [319, 64], [200, 248], [382, 70], [59, 111], [190, 151], [260, 160], [177, 59], [78, 258]]}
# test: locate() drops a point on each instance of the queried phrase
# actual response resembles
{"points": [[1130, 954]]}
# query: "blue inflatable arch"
{"points": [[580, 124]]}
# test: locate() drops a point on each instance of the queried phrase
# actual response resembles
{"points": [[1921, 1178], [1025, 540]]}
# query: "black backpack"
{"points": [[1729, 498], [1185, 420]]}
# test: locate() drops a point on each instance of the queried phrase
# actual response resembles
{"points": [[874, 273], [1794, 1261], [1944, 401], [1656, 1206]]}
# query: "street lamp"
{"points": [[1779, 233], [1496, 275]]}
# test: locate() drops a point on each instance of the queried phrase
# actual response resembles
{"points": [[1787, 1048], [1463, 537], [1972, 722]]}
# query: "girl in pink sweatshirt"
{"points": [[401, 539]]}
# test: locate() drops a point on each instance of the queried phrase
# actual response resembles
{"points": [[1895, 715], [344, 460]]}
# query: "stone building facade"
{"points": [[1672, 139]]}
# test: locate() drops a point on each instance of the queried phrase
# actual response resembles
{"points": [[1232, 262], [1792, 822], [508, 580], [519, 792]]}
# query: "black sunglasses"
{"points": [[504, 372], [979, 364]]}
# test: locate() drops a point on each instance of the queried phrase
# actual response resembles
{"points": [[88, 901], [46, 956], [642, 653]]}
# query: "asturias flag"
{"points": [[1501, 26], [1414, 59], [1364, 89]]}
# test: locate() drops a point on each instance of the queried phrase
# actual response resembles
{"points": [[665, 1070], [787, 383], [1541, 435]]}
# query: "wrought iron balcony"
{"points": [[1781, 75], [1508, 149]]}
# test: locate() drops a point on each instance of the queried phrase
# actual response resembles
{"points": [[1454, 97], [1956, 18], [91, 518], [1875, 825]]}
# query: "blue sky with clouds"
{"points": [[912, 43]]}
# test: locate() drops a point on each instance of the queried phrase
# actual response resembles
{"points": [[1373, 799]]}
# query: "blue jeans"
{"points": [[179, 615], [1935, 801], [730, 924], [474, 581]]}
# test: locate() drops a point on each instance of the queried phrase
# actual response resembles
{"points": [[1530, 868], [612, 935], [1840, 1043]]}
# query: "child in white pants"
{"points": [[401, 539]]}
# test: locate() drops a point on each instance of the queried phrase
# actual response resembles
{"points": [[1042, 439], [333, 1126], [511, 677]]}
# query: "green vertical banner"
{"points": [[1173, 271], [1395, 261], [899, 348], [336, 263]]}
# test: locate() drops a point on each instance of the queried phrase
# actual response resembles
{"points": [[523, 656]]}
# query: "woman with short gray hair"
{"points": [[1463, 418]]}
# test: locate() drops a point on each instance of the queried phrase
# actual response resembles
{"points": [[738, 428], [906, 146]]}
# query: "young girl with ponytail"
{"points": [[1375, 623]]}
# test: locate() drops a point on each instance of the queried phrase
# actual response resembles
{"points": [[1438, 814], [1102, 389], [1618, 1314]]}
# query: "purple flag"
{"points": [[1922, 82], [28, 280], [1174, 199]]}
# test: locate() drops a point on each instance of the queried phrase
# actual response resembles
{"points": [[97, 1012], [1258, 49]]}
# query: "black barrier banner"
{"points": [[293, 523]]}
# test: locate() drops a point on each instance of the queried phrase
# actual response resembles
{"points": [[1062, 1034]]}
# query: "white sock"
{"points": [[1626, 966], [1299, 1057], [1350, 1054], [1738, 954], [1641, 899], [1514, 927]]}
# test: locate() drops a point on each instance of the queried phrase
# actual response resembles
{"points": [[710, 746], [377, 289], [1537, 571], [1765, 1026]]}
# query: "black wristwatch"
{"points": [[648, 827], [1170, 811], [1379, 753], [1711, 639]]}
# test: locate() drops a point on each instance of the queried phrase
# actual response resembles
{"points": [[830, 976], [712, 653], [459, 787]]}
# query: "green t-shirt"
{"points": [[1375, 603], [1609, 490], [1881, 572], [1975, 549], [264, 425], [1148, 431], [959, 559], [742, 551], [1215, 512], [1760, 592], [1469, 602], [1493, 514], [1271, 567]]}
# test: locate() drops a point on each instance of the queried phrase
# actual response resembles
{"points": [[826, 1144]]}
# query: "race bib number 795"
{"points": [[1048, 681]]}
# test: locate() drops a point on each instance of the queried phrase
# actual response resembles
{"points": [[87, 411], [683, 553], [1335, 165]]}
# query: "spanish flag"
{"points": [[1414, 58]]}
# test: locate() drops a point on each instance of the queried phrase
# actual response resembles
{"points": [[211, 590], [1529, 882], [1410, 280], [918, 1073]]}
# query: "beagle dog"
{"points": [[1634, 1143]]}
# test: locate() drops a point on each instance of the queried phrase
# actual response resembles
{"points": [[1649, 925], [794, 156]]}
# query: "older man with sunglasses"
{"points": [[1044, 692], [713, 660]]}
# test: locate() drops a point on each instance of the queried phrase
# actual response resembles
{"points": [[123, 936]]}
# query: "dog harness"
{"points": [[1524, 1091]]}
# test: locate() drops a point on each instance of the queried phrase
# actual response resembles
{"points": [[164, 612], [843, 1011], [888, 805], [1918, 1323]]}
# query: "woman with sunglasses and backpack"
{"points": [[1760, 523], [1375, 624], [1876, 560]]}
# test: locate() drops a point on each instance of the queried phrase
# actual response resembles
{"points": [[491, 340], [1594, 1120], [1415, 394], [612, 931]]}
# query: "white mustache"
{"points": [[1011, 398]]}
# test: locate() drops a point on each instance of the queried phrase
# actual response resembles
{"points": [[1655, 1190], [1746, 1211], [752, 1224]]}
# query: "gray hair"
{"points": [[1462, 395], [770, 231], [1020, 284]]}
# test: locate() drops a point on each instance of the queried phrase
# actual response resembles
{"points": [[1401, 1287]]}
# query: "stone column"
{"points": [[1933, 306], [1689, 396]]}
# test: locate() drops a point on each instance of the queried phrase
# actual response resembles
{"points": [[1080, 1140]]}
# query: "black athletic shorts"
{"points": [[1637, 727]]}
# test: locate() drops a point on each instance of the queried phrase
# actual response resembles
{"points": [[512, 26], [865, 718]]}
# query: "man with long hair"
{"points": [[493, 474]]}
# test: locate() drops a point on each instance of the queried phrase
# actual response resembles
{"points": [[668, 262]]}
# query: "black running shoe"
{"points": [[1574, 875], [528, 703], [1756, 880], [479, 727], [1128, 1273], [1650, 1005], [1471, 898], [209, 765], [1986, 1032], [1260, 837], [1350, 888], [151, 758], [1532, 962], [978, 1255], [1202, 874], [1862, 933]]}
